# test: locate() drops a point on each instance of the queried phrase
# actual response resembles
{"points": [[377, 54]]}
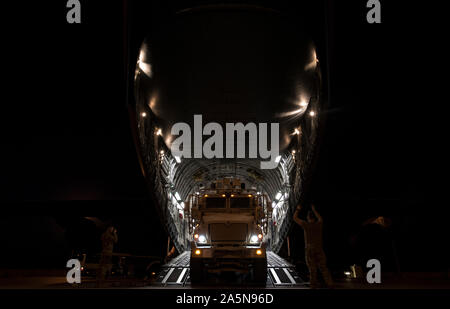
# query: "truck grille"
{"points": [[228, 232]]}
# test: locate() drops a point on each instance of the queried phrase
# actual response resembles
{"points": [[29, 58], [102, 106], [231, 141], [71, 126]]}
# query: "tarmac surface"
{"points": [[59, 282], [175, 275]]}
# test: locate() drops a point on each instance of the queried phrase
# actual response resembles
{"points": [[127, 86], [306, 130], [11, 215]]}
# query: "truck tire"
{"points": [[196, 271], [260, 272]]}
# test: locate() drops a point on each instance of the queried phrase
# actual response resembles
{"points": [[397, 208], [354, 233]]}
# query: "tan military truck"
{"points": [[228, 232]]}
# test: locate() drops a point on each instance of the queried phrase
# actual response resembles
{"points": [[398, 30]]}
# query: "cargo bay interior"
{"points": [[201, 63]]}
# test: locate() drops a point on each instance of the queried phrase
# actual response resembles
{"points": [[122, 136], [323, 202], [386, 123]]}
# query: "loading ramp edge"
{"points": [[280, 273]]}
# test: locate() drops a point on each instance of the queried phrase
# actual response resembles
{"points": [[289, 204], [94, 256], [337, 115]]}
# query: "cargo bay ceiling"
{"points": [[229, 64]]}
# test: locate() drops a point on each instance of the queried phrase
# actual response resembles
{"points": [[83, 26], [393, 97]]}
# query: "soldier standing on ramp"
{"points": [[315, 257]]}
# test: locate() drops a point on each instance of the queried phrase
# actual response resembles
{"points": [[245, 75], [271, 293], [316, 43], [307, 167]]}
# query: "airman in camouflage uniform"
{"points": [[109, 238], [315, 257]]}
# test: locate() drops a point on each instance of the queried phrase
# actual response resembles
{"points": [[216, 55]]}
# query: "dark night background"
{"points": [[67, 150]]}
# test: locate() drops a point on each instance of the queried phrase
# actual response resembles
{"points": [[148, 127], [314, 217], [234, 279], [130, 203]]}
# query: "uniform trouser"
{"points": [[104, 265], [316, 260]]}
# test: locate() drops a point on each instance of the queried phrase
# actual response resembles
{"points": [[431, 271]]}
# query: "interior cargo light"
{"points": [[278, 196], [177, 196]]}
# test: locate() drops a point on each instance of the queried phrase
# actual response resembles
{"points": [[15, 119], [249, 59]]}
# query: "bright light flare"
{"points": [[301, 107], [254, 239], [313, 63], [145, 67]]}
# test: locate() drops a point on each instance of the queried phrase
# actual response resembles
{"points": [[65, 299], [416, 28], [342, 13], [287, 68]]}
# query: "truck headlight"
{"points": [[202, 239], [254, 239]]}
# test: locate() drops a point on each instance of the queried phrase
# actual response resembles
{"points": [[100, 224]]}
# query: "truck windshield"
{"points": [[215, 202], [240, 202]]}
